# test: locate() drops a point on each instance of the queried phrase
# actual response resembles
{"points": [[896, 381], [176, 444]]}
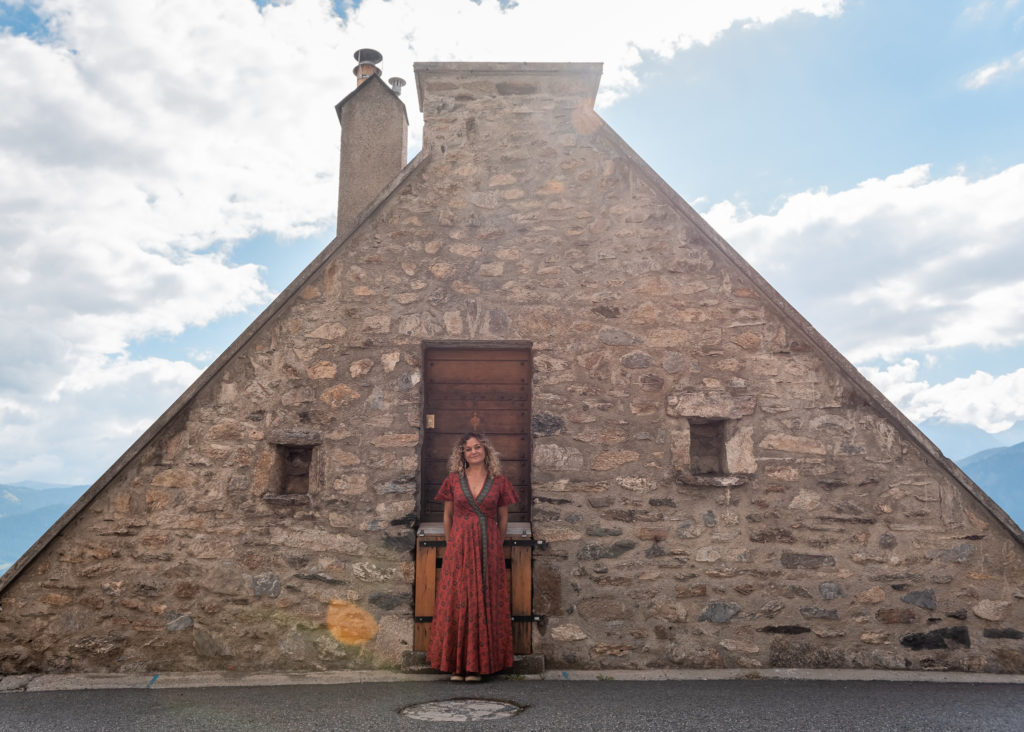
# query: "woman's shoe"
{"points": [[473, 677], [456, 677]]}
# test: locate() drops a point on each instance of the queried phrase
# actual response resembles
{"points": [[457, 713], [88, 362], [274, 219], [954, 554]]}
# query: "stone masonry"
{"points": [[717, 487]]}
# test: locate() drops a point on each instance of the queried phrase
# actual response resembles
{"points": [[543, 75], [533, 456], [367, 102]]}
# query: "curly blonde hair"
{"points": [[457, 462]]}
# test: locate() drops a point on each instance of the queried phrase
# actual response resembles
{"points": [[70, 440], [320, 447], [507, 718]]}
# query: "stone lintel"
{"points": [[709, 404], [711, 481], [287, 499], [295, 438]]}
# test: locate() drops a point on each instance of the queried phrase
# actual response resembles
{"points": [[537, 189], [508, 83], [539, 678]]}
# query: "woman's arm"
{"points": [[448, 508], [502, 521]]}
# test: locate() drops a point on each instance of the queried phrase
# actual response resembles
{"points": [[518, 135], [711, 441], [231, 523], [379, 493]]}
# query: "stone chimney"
{"points": [[374, 138]]}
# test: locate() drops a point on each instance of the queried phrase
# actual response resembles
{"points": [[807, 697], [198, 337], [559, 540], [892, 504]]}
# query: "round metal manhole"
{"points": [[461, 710]]}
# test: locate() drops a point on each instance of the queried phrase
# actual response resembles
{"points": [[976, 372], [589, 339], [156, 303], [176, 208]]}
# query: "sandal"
{"points": [[473, 677], [456, 677]]}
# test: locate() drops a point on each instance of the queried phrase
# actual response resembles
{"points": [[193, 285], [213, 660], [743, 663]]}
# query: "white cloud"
{"points": [[977, 10], [985, 9], [564, 30], [993, 403], [142, 139], [107, 372], [987, 74], [74, 439], [902, 269], [894, 266]]}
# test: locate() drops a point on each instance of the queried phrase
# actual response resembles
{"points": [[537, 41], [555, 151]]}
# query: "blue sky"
{"points": [[810, 102], [165, 169]]}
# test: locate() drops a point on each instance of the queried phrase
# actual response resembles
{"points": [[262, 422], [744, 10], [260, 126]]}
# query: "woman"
{"points": [[471, 633]]}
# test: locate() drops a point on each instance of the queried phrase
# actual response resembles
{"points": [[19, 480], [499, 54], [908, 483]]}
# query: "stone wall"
{"points": [[828, 535]]}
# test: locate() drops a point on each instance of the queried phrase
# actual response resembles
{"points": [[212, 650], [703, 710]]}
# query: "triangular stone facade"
{"points": [[716, 485]]}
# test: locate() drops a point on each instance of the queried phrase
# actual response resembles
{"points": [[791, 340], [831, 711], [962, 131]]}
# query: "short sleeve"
{"points": [[507, 494], [447, 491]]}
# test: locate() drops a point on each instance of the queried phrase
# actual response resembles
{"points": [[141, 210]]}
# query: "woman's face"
{"points": [[474, 451]]}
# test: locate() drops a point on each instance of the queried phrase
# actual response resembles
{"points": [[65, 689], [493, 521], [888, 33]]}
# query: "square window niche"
{"points": [[720, 453], [295, 462], [294, 474], [707, 446]]}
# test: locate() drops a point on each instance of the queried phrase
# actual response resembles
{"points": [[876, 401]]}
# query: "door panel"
{"points": [[517, 471], [478, 354], [471, 372], [498, 421], [482, 396], [509, 447]]}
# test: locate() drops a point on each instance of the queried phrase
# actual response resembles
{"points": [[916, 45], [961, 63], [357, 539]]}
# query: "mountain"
{"points": [[16, 499], [37, 485], [21, 531], [1000, 473], [26, 512], [957, 441]]}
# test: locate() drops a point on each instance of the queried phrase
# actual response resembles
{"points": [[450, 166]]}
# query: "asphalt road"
{"points": [[577, 705]]}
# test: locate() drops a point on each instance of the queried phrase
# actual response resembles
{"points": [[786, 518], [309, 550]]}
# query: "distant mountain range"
{"points": [[1000, 473], [29, 508], [962, 441], [994, 462]]}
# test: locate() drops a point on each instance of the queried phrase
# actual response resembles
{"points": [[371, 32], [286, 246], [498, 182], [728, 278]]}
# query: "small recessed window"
{"points": [[295, 465], [707, 446]]}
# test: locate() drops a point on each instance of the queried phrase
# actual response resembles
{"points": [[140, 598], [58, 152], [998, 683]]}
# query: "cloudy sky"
{"points": [[167, 166]]}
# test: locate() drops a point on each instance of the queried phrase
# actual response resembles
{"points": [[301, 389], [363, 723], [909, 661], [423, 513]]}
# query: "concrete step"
{"points": [[415, 662]]}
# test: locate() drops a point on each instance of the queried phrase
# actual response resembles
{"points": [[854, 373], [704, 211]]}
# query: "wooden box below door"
{"points": [[518, 568]]}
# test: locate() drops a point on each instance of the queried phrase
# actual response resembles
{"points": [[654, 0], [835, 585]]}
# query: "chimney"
{"points": [[367, 59], [374, 138]]}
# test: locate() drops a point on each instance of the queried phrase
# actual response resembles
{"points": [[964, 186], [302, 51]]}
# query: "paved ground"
{"points": [[628, 701]]}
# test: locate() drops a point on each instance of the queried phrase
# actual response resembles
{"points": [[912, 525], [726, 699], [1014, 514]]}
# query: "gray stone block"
{"points": [[719, 612]]}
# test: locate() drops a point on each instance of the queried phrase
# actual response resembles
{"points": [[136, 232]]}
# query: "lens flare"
{"points": [[584, 120], [350, 624]]}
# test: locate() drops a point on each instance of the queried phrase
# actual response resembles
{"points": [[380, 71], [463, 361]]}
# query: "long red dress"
{"points": [[471, 632]]}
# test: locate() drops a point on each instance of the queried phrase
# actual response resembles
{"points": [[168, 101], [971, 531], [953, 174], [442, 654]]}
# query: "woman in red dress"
{"points": [[471, 633]]}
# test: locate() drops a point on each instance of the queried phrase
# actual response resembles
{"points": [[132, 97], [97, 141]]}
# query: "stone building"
{"points": [[713, 484]]}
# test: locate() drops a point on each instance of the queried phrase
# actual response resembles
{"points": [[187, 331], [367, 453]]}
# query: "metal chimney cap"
{"points": [[368, 56], [396, 82]]}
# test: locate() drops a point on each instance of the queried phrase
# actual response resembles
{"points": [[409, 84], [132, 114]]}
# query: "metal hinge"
{"points": [[515, 618], [535, 543]]}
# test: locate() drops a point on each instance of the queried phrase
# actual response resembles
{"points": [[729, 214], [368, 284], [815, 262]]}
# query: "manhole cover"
{"points": [[461, 710]]}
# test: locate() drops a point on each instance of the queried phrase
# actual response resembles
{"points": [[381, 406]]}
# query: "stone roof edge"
{"points": [[339, 105], [511, 67], [579, 68], [870, 391], [208, 375]]}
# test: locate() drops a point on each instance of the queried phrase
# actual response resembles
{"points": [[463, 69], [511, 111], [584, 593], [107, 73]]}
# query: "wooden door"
{"points": [[484, 390]]}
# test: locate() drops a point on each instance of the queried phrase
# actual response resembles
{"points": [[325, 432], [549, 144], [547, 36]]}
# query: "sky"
{"points": [[166, 168]]}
